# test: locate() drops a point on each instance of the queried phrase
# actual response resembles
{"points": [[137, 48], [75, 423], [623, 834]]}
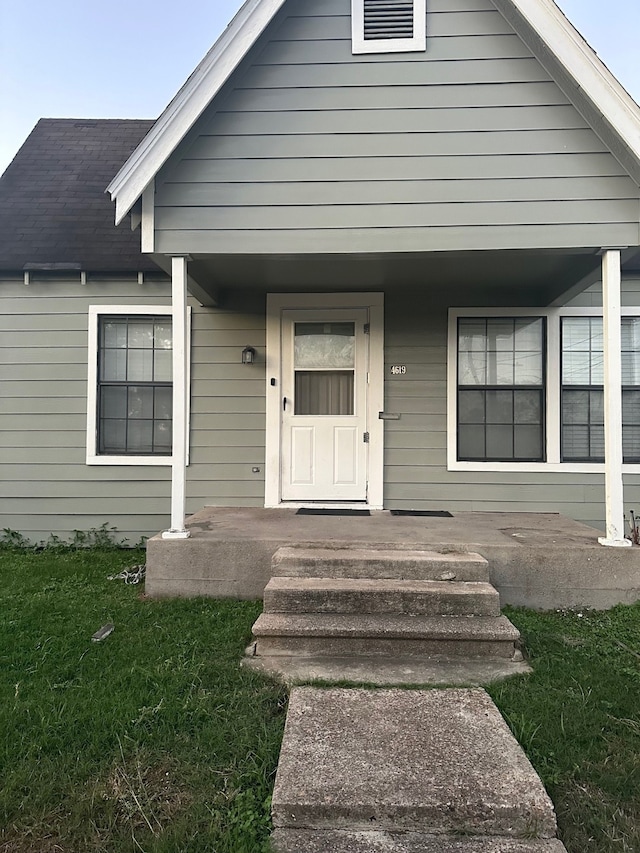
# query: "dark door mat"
{"points": [[429, 513], [350, 512]]}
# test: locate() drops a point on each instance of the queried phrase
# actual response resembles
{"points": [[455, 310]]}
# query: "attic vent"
{"points": [[388, 19], [388, 26]]}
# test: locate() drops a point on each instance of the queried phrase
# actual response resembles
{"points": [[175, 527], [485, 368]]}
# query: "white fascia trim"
{"points": [[585, 67], [92, 457], [361, 45], [553, 317], [190, 102], [148, 219]]}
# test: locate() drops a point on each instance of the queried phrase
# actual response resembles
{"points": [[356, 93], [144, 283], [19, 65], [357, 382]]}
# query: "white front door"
{"points": [[325, 363]]}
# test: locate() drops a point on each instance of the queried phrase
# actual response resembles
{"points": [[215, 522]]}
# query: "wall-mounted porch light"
{"points": [[248, 355]]}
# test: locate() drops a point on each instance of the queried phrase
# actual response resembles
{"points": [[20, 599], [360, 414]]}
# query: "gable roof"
{"points": [[53, 209], [549, 34]]}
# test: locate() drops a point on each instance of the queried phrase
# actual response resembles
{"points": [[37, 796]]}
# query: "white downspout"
{"points": [[612, 345], [180, 399]]}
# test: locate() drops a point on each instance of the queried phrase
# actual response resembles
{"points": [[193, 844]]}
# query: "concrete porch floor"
{"points": [[539, 560]]}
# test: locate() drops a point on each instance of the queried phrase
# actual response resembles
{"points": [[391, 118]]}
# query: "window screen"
{"points": [[501, 392], [134, 385]]}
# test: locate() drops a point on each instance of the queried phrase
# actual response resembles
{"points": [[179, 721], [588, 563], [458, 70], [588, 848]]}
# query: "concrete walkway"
{"points": [[399, 771]]}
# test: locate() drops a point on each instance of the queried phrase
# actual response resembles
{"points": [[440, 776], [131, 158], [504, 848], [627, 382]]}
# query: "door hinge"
{"points": [[365, 438], [367, 328]]}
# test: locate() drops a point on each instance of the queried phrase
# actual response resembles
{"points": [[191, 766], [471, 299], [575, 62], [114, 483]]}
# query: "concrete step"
{"points": [[438, 762], [293, 561], [383, 670], [319, 634], [364, 595], [341, 841]]}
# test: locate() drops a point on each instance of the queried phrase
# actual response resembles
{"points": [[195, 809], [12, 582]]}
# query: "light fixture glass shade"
{"points": [[248, 355]]}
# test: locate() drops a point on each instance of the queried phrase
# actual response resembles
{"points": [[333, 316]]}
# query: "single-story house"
{"points": [[372, 254]]}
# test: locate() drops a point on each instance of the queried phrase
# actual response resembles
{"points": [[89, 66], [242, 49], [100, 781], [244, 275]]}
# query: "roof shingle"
{"points": [[53, 205]]}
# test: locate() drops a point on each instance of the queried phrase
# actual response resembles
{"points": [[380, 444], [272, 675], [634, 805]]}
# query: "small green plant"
{"points": [[13, 540], [101, 538]]}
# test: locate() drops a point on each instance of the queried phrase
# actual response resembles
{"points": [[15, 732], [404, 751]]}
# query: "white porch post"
{"points": [[180, 399], [612, 345]]}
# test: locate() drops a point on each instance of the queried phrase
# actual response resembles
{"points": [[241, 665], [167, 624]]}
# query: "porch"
{"points": [[539, 560]]}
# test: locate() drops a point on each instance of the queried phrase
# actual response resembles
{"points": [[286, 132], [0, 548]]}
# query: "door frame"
{"points": [[276, 304]]}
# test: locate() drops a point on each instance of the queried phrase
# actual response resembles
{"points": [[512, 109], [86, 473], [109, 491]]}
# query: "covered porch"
{"points": [[414, 286], [539, 560]]}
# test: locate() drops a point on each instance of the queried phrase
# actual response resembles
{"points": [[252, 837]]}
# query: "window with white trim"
{"points": [[134, 386], [501, 393], [388, 26], [583, 392], [571, 406], [130, 388]]}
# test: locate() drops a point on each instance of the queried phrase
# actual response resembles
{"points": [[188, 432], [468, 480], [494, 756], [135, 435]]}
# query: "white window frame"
{"points": [[408, 45], [95, 312], [553, 414]]}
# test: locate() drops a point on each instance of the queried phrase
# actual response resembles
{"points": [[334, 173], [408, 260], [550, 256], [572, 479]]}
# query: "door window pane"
{"points": [[324, 346], [324, 392]]}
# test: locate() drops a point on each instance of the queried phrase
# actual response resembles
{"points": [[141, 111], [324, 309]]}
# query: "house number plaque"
{"points": [[398, 369]]}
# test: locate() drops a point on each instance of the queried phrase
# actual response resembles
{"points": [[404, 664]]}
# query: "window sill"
{"points": [[128, 460], [540, 467]]}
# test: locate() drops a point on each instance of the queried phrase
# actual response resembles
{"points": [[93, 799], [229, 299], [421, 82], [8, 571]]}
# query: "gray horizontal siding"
{"points": [[469, 145], [46, 487], [227, 410], [45, 484], [400, 239], [416, 475], [365, 120]]}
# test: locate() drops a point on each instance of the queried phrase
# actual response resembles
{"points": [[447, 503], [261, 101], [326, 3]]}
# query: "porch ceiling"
{"points": [[503, 278]]}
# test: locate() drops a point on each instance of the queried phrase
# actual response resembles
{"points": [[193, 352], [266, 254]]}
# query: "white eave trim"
{"points": [[190, 102], [583, 65]]}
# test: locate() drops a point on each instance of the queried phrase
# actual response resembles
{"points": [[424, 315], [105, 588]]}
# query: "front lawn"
{"points": [[578, 719], [156, 740], [151, 740]]}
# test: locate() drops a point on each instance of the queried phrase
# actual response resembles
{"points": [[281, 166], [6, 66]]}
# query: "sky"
{"points": [[127, 58]]}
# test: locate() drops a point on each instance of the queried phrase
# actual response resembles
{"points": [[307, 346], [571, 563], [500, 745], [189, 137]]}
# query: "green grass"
{"points": [[578, 718], [152, 740], [156, 740]]}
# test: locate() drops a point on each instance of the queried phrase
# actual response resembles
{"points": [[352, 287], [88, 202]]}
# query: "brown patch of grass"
{"points": [[26, 843], [605, 822], [146, 794]]}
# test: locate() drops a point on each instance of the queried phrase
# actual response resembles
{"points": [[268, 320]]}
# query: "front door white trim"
{"points": [[276, 304]]}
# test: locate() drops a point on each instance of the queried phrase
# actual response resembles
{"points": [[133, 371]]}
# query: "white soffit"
{"points": [[556, 43], [190, 102]]}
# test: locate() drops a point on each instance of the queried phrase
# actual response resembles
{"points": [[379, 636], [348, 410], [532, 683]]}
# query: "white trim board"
{"points": [[276, 304], [417, 43], [92, 457], [553, 393], [541, 25]]}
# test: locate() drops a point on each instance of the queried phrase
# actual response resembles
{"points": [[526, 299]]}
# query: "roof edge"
{"points": [[190, 102], [590, 76]]}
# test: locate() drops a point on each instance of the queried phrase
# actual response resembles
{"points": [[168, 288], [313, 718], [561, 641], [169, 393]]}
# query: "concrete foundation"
{"points": [[539, 560]]}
